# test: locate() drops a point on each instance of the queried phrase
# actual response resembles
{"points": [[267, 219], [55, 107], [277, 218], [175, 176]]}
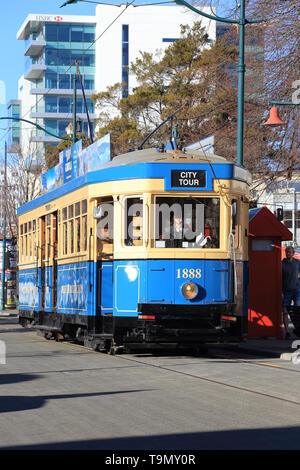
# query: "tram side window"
{"points": [[25, 241], [29, 240], [134, 221], [234, 221], [48, 236], [187, 222], [21, 242], [74, 228], [71, 227], [77, 226], [34, 239], [65, 230], [84, 223], [105, 229]]}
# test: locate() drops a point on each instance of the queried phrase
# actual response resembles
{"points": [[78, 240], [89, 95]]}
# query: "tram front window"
{"points": [[187, 222]]}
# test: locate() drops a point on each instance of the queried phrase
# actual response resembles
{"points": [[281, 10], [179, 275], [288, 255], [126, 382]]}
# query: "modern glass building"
{"points": [[52, 46]]}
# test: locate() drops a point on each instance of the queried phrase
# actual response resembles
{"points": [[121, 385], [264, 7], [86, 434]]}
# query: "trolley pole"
{"points": [[4, 233]]}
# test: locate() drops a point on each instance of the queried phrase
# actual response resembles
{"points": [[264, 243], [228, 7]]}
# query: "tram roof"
{"points": [[147, 163]]}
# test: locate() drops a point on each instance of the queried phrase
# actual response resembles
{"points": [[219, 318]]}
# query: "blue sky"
{"points": [[12, 51]]}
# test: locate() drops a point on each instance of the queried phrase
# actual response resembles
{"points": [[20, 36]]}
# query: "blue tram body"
{"points": [[115, 294]]}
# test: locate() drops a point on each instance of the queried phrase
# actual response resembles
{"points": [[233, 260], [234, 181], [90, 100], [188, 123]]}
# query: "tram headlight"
{"points": [[189, 290]]}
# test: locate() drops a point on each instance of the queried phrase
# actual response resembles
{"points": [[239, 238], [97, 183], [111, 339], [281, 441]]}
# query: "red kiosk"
{"points": [[264, 291]]}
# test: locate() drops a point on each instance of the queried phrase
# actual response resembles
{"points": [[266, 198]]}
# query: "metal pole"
{"points": [[241, 85], [74, 108], [241, 66], [4, 233], [85, 103], [36, 125]]}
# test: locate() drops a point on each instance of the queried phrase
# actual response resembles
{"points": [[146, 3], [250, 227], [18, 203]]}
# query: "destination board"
{"points": [[188, 178]]}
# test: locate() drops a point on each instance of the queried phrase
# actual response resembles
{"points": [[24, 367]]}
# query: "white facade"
{"points": [[151, 28], [26, 130]]}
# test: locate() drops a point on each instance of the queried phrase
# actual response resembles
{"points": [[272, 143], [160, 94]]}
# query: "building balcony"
{"points": [[45, 139], [34, 68], [61, 92], [42, 114], [34, 45]]}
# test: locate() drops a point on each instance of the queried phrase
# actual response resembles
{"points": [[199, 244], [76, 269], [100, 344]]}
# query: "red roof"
{"points": [[265, 224]]}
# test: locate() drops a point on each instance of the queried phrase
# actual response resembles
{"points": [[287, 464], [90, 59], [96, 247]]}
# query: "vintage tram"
{"points": [[149, 251]]}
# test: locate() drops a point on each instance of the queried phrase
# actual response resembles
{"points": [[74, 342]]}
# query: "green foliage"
{"points": [[185, 75]]}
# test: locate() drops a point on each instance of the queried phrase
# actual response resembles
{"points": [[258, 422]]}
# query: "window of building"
{"points": [[51, 32], [170, 39], [50, 56], [50, 126], [63, 33], [88, 33], [76, 33], [65, 105], [125, 59], [50, 104], [288, 218], [62, 127], [89, 82], [64, 57], [64, 81], [51, 80]]}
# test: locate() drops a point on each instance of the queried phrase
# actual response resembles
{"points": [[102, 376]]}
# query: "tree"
{"points": [[185, 76], [272, 73], [23, 184]]}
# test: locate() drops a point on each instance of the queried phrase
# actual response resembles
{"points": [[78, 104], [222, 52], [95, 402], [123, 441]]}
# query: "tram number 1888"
{"points": [[191, 273]]}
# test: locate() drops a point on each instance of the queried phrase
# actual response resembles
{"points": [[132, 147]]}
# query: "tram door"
{"points": [[48, 225], [54, 259], [105, 250], [43, 259]]}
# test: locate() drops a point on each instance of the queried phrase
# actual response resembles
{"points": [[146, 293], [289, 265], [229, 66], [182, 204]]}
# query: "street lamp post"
{"points": [[275, 121], [36, 125], [241, 22], [2, 307]]}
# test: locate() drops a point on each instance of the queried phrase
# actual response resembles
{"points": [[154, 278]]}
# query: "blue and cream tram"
{"points": [[149, 251]]}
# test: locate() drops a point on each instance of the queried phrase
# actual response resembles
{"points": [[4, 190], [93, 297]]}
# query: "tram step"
{"points": [[46, 328]]}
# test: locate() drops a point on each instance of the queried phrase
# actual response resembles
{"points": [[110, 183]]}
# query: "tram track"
{"points": [[211, 355], [207, 379], [218, 382]]}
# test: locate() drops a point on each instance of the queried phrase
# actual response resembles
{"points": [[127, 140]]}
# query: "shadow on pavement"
{"points": [[240, 439], [15, 378], [12, 403]]}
